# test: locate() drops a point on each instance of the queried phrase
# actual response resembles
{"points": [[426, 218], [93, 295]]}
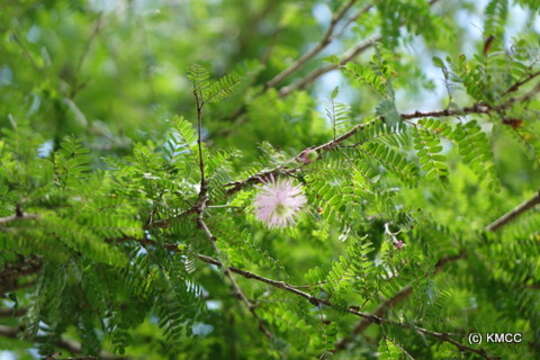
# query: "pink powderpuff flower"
{"points": [[278, 203], [399, 244]]}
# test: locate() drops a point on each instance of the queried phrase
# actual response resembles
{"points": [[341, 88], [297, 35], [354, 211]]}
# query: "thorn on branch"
{"points": [[18, 211], [19, 215]]}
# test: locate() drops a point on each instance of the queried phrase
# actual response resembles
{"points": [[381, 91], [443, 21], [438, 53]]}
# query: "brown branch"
{"points": [[9, 332], [477, 108], [480, 108], [11, 272], [407, 291], [258, 178], [16, 217], [519, 84], [354, 18], [474, 109], [321, 45], [25, 50], [302, 83], [315, 74], [286, 287], [200, 104], [514, 213], [249, 275], [95, 31], [13, 312], [26, 266], [237, 289], [262, 176], [200, 208], [389, 303], [75, 347], [439, 266], [227, 270], [69, 345], [524, 98], [165, 223], [348, 57], [372, 318], [380, 311]]}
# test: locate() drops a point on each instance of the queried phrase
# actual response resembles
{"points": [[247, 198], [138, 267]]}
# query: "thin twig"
{"points": [[348, 57], [519, 84], [200, 104], [95, 31], [252, 23], [8, 219], [200, 208], [354, 18], [514, 213], [26, 266], [373, 318], [25, 50], [11, 272], [524, 98], [283, 169], [407, 291], [379, 311], [237, 289], [321, 45], [165, 223], [477, 108], [389, 303], [237, 116], [13, 312], [69, 345], [317, 73]]}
